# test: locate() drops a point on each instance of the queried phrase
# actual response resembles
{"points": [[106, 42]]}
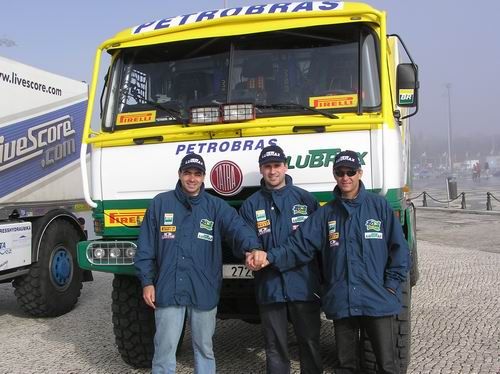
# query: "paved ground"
{"points": [[455, 321]]}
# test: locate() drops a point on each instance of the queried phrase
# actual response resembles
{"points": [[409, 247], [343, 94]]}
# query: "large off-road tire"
{"points": [[403, 338], [134, 323], [53, 284]]}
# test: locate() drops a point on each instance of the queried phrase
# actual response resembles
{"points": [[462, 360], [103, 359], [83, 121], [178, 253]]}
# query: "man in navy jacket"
{"points": [[365, 260], [276, 211], [179, 263]]}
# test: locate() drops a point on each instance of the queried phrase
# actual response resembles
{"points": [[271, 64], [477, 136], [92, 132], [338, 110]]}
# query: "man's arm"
{"points": [[238, 234], [298, 249], [145, 257], [398, 263]]}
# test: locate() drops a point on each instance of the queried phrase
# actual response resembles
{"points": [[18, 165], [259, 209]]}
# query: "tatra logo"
{"points": [[226, 178], [55, 139]]}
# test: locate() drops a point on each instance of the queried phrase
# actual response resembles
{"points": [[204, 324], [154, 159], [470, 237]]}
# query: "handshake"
{"points": [[256, 260]]}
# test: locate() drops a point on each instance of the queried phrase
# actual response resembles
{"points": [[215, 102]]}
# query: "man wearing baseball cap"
{"points": [[179, 262], [365, 260], [275, 212]]}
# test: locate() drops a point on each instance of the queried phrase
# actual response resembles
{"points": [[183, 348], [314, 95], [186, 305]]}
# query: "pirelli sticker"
{"points": [[168, 228], [123, 217], [333, 236], [136, 118], [262, 224], [333, 102]]}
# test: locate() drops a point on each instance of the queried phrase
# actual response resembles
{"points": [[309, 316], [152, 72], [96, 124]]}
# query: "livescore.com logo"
{"points": [[226, 178]]}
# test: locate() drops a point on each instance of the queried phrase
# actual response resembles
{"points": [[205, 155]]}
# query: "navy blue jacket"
{"points": [[179, 247], [364, 252], [275, 215]]}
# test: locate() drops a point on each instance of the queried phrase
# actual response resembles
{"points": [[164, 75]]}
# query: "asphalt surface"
{"points": [[455, 315]]}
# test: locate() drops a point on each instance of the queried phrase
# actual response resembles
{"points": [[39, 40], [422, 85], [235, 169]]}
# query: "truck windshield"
{"points": [[324, 67]]}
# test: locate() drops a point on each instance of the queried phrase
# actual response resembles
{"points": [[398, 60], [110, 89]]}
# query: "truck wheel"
{"points": [[134, 323], [403, 338], [53, 284]]}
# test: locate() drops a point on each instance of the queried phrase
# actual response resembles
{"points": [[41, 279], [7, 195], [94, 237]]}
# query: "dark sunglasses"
{"points": [[341, 173]]}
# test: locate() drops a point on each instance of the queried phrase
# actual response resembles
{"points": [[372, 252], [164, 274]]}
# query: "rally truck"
{"points": [[42, 206], [315, 78]]}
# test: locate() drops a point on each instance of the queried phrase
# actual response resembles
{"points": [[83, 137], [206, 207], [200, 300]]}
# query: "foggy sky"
{"points": [[454, 42]]}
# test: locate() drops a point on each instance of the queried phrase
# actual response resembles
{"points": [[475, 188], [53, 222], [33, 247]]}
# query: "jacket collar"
{"points": [[282, 190], [350, 203], [186, 200]]}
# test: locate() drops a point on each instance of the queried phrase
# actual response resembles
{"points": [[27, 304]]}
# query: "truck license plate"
{"points": [[236, 271]]}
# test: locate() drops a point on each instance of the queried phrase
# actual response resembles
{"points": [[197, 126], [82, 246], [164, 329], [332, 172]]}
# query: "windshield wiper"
{"points": [[176, 114], [298, 106]]}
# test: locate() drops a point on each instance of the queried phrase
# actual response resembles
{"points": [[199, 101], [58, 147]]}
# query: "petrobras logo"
{"points": [[54, 140], [277, 8]]}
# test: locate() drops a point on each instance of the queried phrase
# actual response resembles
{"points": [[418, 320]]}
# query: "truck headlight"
{"points": [[111, 253]]}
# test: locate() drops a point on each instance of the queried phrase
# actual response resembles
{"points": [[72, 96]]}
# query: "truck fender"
{"points": [[41, 224]]}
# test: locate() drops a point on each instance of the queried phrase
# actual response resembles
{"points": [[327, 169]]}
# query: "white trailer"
{"points": [[41, 199]]}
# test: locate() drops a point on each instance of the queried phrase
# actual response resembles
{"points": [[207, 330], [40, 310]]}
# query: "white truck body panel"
{"points": [[148, 169], [15, 245], [41, 122]]}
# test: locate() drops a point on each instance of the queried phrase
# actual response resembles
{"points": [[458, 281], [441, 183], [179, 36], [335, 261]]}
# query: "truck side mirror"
{"points": [[407, 85]]}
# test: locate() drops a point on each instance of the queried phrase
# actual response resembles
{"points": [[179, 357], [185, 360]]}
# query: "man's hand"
{"points": [[148, 294], [256, 260]]}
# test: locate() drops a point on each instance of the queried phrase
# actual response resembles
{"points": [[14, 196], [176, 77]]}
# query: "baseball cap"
{"points": [[348, 159], [192, 160], [271, 153]]}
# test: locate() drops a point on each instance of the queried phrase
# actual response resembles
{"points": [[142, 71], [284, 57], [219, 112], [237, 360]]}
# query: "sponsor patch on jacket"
{"points": [[374, 235], [263, 224], [260, 215], [168, 228], [168, 235], [206, 224], [295, 227], [299, 219], [264, 230], [372, 225], [333, 236], [334, 243], [168, 218], [332, 226], [207, 237], [299, 209]]}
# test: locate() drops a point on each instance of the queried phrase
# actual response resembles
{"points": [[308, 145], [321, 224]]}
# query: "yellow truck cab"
{"points": [[315, 78]]}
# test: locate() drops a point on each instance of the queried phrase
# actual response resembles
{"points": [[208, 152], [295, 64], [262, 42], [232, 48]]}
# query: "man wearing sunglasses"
{"points": [[365, 260]]}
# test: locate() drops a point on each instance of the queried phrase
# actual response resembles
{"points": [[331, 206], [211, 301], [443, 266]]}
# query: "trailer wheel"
{"points": [[53, 284], [403, 338], [134, 323]]}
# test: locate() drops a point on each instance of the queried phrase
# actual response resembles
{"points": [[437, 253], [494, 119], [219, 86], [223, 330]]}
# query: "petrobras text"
{"points": [[225, 146], [295, 7], [54, 139]]}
